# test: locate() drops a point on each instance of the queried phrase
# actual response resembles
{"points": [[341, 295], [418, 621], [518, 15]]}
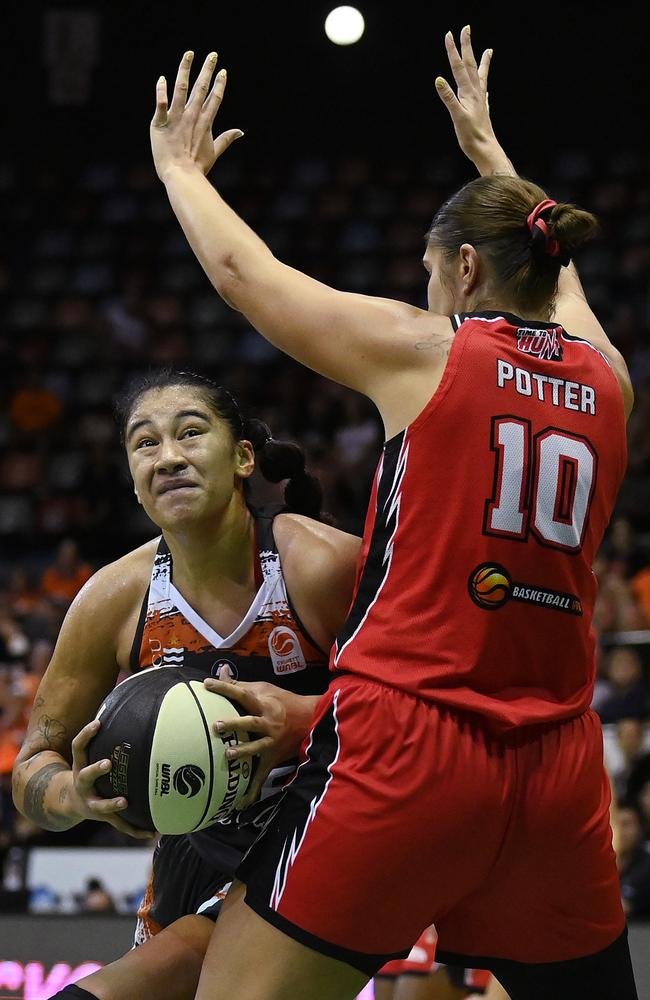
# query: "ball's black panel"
{"points": [[128, 723]]}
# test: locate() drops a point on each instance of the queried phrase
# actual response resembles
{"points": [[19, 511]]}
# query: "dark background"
{"points": [[562, 72]]}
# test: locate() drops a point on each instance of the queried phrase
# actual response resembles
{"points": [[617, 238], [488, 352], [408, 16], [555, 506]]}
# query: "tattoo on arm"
{"points": [[52, 731], [34, 799]]}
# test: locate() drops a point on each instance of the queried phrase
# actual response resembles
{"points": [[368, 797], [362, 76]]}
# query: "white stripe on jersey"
{"points": [[395, 498]]}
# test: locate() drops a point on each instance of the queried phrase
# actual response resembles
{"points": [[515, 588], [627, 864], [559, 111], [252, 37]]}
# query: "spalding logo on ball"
{"points": [[489, 586], [157, 729]]}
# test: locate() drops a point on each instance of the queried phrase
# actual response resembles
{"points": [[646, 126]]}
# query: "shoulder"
{"points": [[117, 586], [303, 539], [319, 567]]}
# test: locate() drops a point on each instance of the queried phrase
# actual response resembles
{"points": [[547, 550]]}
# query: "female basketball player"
{"points": [[454, 768], [256, 595]]}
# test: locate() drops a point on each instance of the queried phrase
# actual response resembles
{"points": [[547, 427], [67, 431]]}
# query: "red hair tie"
{"points": [[536, 225]]}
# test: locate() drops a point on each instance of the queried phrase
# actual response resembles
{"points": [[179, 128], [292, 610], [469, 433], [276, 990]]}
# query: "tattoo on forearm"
{"points": [[52, 731], [34, 799]]}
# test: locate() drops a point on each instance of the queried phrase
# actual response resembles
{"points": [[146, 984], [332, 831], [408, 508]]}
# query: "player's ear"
{"points": [[244, 459], [470, 268], [137, 495]]}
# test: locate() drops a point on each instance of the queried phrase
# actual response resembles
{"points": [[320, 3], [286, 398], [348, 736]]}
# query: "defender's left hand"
{"points": [[279, 719], [181, 133]]}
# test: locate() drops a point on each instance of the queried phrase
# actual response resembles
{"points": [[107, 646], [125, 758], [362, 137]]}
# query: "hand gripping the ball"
{"points": [[280, 718], [85, 799]]}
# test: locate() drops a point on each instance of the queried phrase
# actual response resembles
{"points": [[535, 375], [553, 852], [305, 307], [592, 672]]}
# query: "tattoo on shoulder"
{"points": [[52, 731], [34, 798]]}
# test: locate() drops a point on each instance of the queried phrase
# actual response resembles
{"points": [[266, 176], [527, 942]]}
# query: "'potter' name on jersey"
{"points": [[546, 388]]}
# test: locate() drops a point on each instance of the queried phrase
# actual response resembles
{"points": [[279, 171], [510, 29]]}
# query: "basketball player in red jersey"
{"points": [[454, 771], [225, 588]]}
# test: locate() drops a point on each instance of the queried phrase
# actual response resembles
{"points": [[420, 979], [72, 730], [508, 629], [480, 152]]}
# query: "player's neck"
{"points": [[487, 302], [213, 558]]}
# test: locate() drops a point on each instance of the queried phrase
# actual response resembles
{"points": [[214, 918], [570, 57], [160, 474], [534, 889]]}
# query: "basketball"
{"points": [[489, 586], [167, 761]]}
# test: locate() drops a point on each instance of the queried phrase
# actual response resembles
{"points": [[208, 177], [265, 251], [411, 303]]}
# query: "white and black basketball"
{"points": [[167, 761]]}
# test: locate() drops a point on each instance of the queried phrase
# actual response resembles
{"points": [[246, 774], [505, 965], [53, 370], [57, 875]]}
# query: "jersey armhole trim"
{"points": [[134, 657], [290, 604]]}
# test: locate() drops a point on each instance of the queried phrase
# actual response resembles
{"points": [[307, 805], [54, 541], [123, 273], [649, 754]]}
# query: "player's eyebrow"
{"points": [[178, 416]]}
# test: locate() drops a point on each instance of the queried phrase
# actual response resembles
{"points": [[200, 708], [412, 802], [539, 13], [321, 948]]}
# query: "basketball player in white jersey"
{"points": [[224, 586]]}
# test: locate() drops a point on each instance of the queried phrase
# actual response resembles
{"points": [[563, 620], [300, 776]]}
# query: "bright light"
{"points": [[344, 25]]}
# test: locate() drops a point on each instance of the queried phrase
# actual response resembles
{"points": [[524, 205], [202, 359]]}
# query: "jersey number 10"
{"points": [[542, 484]]}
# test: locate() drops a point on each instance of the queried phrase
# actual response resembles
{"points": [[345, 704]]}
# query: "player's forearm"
{"points": [[228, 250], [490, 158], [43, 791]]}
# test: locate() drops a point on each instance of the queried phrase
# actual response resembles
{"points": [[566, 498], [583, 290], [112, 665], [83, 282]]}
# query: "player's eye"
{"points": [[190, 432], [144, 443]]}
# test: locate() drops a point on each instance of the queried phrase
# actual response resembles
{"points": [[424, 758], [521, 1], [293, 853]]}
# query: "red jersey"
{"points": [[475, 586]]}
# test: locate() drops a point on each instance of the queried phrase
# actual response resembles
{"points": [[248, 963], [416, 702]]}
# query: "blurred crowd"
{"points": [[97, 284]]}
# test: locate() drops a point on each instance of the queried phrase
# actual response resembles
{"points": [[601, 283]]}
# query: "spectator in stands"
{"points": [[633, 862], [626, 744], [628, 696], [96, 898], [63, 580]]}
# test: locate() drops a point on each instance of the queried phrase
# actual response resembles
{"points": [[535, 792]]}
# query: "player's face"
{"points": [[185, 465], [440, 293]]}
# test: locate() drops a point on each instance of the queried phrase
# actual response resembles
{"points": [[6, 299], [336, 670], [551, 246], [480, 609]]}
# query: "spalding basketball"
{"points": [[167, 761]]}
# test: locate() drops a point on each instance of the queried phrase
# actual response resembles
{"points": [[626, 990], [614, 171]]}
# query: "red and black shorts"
{"points": [[405, 813]]}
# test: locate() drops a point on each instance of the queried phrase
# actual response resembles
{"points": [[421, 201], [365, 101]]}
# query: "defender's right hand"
{"points": [[84, 800]]}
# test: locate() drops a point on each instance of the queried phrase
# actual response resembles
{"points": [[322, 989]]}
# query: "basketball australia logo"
{"points": [[188, 780], [490, 586], [286, 654]]}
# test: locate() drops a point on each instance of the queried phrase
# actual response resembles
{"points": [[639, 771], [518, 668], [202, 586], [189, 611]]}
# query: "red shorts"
{"points": [[421, 960], [406, 813]]}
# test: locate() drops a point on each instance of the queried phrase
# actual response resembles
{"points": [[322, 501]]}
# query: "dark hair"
{"points": [[277, 460], [492, 213]]}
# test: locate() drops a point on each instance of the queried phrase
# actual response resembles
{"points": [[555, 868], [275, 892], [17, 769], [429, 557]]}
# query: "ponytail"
{"points": [[280, 460]]}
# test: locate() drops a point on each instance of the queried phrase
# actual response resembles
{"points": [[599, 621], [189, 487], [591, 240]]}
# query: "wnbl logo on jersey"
{"points": [[286, 654], [544, 344]]}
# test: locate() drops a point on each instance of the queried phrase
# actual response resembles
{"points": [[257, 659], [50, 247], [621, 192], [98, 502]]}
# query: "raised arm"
{"points": [[52, 784], [357, 340], [470, 114]]}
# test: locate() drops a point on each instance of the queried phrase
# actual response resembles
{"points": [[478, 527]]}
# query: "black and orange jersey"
{"points": [[270, 644]]}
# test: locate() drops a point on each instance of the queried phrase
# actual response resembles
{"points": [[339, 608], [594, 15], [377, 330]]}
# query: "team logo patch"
{"points": [[286, 654], [188, 780], [544, 344], [222, 664], [490, 586]]}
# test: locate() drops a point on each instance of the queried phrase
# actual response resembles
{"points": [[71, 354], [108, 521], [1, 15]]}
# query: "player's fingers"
{"points": [[466, 50], [255, 788], [233, 691], [104, 807], [243, 724], [202, 83], [87, 776], [226, 139], [80, 743], [249, 749], [132, 831], [181, 86], [446, 94], [484, 69], [160, 115], [458, 68], [215, 97]]}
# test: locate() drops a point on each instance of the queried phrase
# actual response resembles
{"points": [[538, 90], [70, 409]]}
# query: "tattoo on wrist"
{"points": [[34, 799]]}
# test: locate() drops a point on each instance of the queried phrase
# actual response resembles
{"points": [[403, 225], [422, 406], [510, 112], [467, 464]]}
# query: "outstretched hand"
{"points": [[469, 108], [181, 132]]}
